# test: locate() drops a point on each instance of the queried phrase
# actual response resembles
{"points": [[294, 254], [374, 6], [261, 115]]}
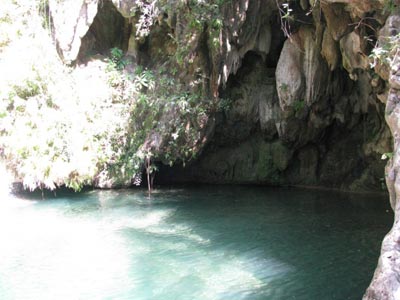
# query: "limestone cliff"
{"points": [[386, 283], [311, 92]]}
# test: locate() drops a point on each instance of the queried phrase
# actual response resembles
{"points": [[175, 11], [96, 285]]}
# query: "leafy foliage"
{"points": [[195, 17], [385, 52], [117, 59], [164, 122], [298, 105], [148, 12], [55, 129]]}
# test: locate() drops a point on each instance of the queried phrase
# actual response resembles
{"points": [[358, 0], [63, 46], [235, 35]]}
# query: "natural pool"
{"points": [[203, 242]]}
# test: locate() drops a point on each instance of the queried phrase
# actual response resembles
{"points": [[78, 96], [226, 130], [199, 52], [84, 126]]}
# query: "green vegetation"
{"points": [[387, 155], [390, 6], [224, 104], [99, 122], [117, 59], [385, 51], [163, 124], [284, 87], [54, 126], [196, 18], [298, 105]]}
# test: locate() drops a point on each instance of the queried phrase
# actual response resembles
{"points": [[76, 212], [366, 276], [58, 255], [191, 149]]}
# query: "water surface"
{"points": [[200, 243]]}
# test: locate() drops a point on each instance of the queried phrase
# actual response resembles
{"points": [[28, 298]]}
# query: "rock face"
{"points": [[71, 22], [247, 27], [311, 94], [386, 282]]}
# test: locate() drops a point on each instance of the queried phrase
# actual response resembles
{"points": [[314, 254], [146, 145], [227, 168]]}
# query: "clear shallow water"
{"points": [[192, 243]]}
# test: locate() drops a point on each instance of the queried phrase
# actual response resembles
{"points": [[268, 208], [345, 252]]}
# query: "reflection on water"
{"points": [[194, 243]]}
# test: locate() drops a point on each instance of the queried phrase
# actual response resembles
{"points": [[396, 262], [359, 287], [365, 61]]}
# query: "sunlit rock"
{"points": [[71, 21]]}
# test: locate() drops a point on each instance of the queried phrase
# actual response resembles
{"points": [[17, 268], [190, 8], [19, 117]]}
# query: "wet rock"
{"points": [[304, 171], [351, 168], [272, 159], [254, 161]]}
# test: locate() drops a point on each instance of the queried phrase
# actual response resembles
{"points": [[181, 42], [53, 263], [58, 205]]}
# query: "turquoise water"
{"points": [[191, 243]]}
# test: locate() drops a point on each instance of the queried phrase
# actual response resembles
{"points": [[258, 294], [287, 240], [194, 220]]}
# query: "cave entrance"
{"points": [[108, 30], [336, 142], [252, 62]]}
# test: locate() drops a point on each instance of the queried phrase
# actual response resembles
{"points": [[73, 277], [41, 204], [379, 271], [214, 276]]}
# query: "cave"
{"points": [[108, 30], [336, 142]]}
